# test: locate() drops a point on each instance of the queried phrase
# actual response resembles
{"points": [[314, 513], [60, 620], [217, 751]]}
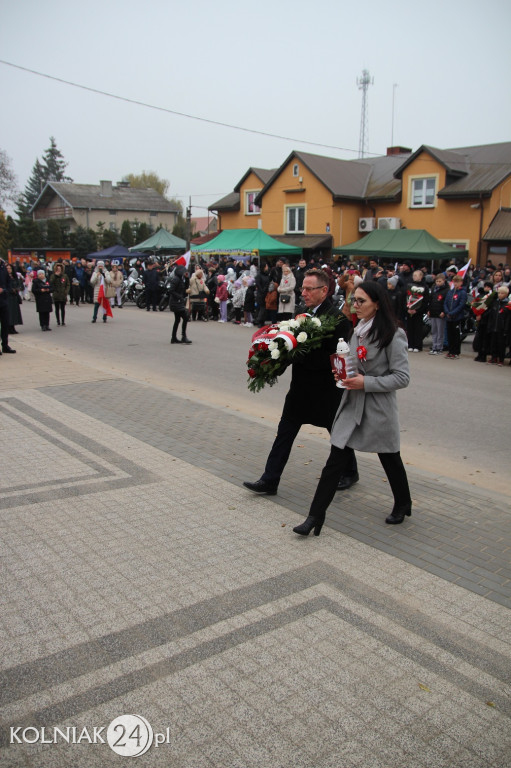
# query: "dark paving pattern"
{"points": [[457, 532]]}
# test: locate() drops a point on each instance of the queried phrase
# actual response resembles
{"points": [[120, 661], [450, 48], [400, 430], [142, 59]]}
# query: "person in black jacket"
{"points": [[262, 284], [177, 302], [151, 280], [5, 284], [417, 305], [313, 396]]}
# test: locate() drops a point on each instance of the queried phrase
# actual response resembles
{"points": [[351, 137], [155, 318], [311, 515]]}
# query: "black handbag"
{"points": [[285, 298]]}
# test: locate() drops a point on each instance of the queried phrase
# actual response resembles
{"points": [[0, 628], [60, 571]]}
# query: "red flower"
{"points": [[251, 373], [362, 353], [251, 353]]}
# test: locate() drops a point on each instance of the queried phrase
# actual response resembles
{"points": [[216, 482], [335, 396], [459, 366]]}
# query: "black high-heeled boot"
{"points": [[398, 514], [308, 524]]}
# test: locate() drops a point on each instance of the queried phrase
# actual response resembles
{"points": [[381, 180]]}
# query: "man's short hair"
{"points": [[320, 275]]}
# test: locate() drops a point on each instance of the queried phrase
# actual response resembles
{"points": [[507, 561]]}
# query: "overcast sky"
{"points": [[277, 66]]}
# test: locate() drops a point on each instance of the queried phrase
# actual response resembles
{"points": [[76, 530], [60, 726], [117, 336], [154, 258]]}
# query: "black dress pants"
{"points": [[338, 465], [281, 448], [180, 314]]}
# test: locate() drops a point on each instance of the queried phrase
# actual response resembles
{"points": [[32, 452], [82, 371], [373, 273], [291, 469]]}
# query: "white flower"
{"points": [[273, 345], [275, 354], [292, 323], [301, 337], [272, 332], [316, 321], [284, 326]]}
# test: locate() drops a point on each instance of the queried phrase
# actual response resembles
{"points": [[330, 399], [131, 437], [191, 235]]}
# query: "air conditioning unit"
{"points": [[389, 223], [366, 225]]}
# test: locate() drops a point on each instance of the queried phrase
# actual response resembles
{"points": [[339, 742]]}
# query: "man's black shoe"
{"points": [[8, 351], [261, 487], [347, 481]]}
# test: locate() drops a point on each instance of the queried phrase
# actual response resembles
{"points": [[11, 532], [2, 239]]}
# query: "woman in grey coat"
{"points": [[367, 419]]}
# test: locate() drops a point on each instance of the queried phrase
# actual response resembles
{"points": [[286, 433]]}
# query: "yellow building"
{"points": [[320, 202]]}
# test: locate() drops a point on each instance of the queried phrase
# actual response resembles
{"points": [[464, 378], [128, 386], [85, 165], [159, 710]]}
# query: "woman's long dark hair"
{"points": [[385, 322]]}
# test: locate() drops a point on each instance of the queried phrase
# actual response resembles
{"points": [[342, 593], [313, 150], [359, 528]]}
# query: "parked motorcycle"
{"points": [[132, 288]]}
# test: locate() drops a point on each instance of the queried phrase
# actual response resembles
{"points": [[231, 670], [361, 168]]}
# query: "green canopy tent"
{"points": [[162, 241], [400, 244], [244, 243]]}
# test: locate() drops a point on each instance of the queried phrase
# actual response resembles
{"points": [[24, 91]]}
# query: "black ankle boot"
{"points": [[308, 524], [185, 339], [175, 340], [398, 514]]}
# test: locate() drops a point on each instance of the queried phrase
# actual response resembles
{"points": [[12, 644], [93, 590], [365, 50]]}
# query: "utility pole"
{"points": [[363, 84], [188, 223], [393, 102]]}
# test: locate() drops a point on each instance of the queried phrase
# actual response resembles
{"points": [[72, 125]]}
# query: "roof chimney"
{"points": [[106, 188], [398, 151]]}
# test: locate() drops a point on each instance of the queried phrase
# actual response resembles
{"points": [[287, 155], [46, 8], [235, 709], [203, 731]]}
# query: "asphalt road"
{"points": [[454, 415]]}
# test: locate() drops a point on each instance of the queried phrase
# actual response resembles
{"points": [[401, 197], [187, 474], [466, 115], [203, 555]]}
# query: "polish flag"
{"points": [[183, 260], [102, 299], [463, 271]]}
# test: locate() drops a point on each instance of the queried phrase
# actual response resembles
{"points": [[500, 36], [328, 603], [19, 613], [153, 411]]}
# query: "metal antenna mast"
{"points": [[363, 84]]}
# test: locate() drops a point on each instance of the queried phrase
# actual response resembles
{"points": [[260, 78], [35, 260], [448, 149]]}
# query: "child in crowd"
{"points": [[454, 308], [437, 315], [249, 304]]}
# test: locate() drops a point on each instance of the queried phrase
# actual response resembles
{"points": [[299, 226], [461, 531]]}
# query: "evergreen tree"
{"points": [[54, 164], [32, 191], [5, 240], [143, 232], [82, 242], [31, 234], [52, 168], [13, 232], [110, 238], [127, 234], [54, 234]]}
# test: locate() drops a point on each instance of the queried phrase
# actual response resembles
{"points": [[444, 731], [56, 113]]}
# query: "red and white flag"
{"points": [[183, 260], [463, 271], [102, 299]]}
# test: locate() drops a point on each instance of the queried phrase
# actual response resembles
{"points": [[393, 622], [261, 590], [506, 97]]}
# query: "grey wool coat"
{"points": [[367, 419]]}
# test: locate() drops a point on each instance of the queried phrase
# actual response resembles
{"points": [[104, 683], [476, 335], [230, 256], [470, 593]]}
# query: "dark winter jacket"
{"points": [[177, 289], [43, 297], [437, 300], [454, 304]]}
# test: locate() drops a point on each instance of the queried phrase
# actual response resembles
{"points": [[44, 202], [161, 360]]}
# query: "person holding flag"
{"points": [[100, 278]]}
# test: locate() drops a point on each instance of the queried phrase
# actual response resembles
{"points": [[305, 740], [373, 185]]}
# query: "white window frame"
{"points": [[296, 170], [251, 193], [422, 180], [292, 221]]}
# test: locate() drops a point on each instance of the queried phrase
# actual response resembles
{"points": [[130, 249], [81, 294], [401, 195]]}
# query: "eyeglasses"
{"points": [[359, 301], [314, 288]]}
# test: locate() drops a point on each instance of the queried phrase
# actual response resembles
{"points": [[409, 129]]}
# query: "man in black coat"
{"points": [[151, 280], [5, 281], [177, 303], [313, 396]]}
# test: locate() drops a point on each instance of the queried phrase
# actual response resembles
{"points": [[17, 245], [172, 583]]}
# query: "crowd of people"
{"points": [[425, 301]]}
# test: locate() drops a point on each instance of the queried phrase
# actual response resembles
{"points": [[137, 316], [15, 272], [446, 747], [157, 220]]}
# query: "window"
{"points": [[296, 169], [423, 192], [112, 213], [153, 213], [296, 219], [250, 207]]}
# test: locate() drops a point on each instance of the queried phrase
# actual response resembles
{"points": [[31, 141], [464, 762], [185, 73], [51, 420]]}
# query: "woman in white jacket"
{"points": [[367, 419]]}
